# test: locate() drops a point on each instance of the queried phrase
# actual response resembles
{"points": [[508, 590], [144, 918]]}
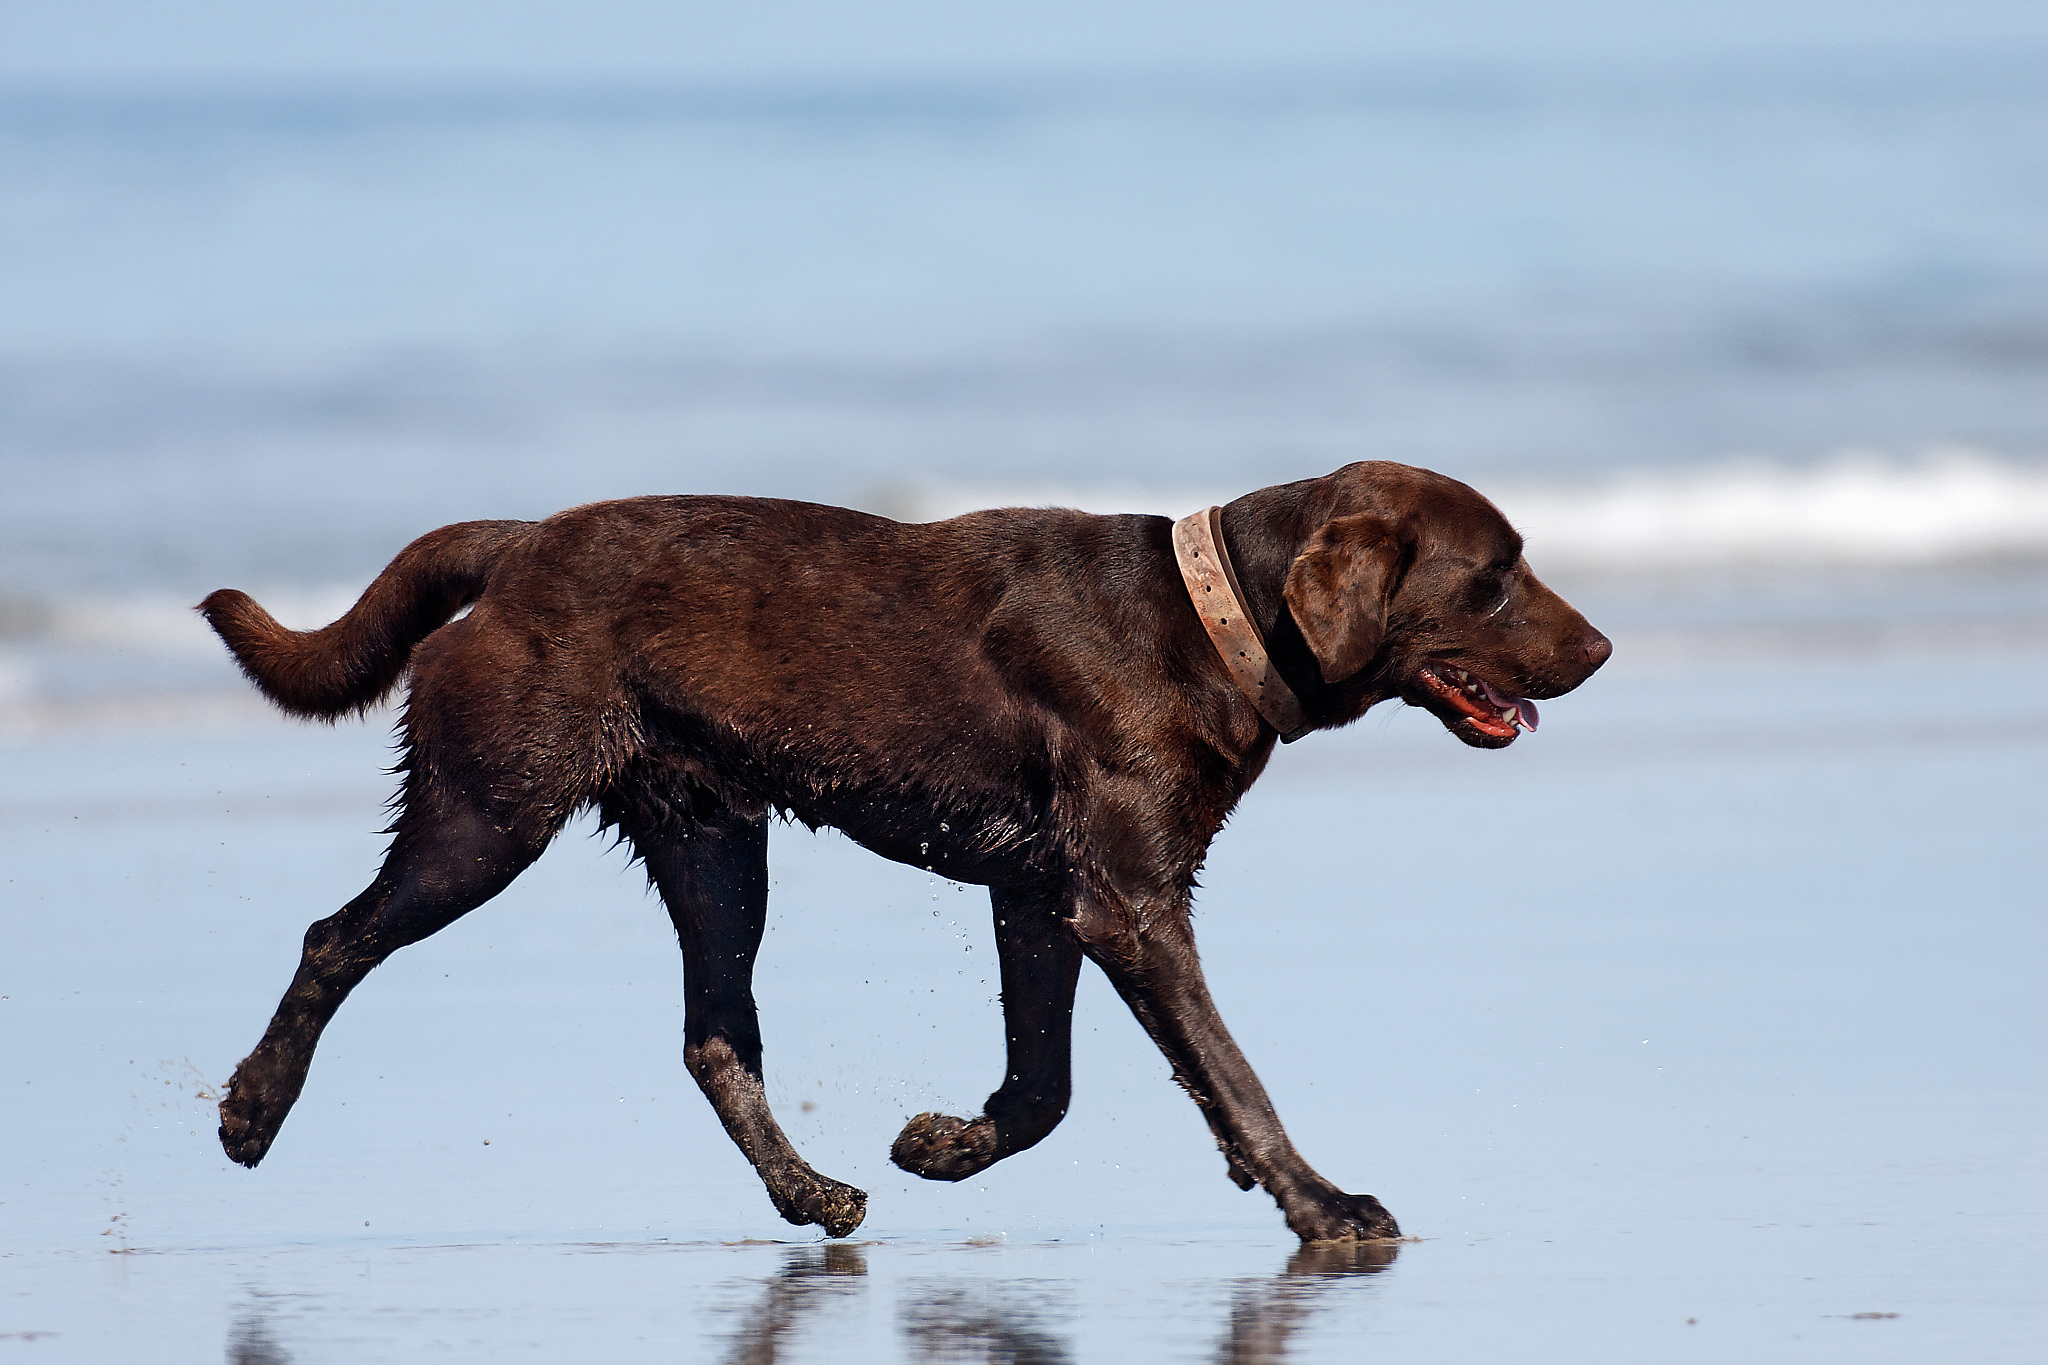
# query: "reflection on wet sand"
{"points": [[809, 1276], [984, 1321], [250, 1343], [979, 1319], [958, 1319], [1265, 1313]]}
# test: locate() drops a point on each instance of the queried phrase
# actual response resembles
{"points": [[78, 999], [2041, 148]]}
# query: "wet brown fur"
{"points": [[1019, 698]]}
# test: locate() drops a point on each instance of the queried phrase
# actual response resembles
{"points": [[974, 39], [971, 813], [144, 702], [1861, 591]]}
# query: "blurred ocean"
{"points": [[1674, 315]]}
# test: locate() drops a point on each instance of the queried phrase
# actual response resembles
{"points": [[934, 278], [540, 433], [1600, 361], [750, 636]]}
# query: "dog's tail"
{"points": [[350, 665]]}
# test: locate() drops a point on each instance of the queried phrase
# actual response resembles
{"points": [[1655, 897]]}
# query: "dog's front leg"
{"points": [[714, 880], [1148, 954], [1041, 961]]}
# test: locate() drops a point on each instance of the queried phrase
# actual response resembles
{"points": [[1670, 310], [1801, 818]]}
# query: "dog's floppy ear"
{"points": [[1337, 590]]}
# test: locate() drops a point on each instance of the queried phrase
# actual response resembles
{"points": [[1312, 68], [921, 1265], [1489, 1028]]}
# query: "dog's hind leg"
{"points": [[1041, 962], [447, 858], [714, 880]]}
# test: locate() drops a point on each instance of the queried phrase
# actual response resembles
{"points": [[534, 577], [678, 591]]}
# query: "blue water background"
{"points": [[271, 331]]}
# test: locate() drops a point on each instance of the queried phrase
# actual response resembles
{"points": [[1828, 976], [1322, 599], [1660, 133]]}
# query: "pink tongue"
{"points": [[1525, 710]]}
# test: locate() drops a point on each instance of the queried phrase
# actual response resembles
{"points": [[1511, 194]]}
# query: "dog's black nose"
{"points": [[1595, 650]]}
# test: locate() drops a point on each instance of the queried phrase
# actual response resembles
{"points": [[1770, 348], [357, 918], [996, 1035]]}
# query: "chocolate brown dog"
{"points": [[1045, 702]]}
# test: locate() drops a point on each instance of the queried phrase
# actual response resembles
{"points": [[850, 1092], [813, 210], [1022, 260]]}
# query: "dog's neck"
{"points": [[1219, 600]]}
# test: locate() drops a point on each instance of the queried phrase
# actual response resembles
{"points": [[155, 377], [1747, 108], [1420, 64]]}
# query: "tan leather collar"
{"points": [[1212, 583]]}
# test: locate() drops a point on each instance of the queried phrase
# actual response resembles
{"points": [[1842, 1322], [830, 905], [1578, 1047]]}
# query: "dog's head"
{"points": [[1409, 584]]}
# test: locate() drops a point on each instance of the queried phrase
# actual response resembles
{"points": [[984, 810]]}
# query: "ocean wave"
{"points": [[1855, 510], [152, 622]]}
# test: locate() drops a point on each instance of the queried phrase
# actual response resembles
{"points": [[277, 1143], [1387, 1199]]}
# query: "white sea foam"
{"points": [[1856, 509], [160, 623], [938, 499], [1949, 505]]}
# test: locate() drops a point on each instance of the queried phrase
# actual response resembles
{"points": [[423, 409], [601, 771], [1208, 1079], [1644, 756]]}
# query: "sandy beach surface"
{"points": [[1704, 1024]]}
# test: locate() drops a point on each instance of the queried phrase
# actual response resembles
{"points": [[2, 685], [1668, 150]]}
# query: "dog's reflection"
{"points": [[809, 1277], [1265, 1313], [963, 1321], [984, 1322], [251, 1343]]}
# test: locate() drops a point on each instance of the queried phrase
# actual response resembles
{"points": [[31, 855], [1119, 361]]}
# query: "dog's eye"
{"points": [[1491, 592], [1488, 593]]}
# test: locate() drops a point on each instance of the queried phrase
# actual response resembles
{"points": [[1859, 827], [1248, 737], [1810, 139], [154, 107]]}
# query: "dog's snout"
{"points": [[1593, 651]]}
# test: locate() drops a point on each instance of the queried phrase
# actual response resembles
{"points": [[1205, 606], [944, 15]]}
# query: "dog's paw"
{"points": [[1340, 1217], [815, 1199], [246, 1131], [940, 1147]]}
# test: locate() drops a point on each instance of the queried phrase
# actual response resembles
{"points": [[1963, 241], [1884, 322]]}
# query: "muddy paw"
{"points": [[1344, 1218], [833, 1206], [245, 1130], [940, 1147]]}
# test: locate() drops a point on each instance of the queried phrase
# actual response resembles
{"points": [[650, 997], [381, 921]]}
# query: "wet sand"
{"points": [[1704, 1024]]}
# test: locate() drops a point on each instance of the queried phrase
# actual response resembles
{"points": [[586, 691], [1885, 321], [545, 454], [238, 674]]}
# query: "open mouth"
{"points": [[1478, 703]]}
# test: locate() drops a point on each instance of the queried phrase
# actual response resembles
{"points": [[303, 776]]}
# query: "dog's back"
{"points": [[838, 666]]}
